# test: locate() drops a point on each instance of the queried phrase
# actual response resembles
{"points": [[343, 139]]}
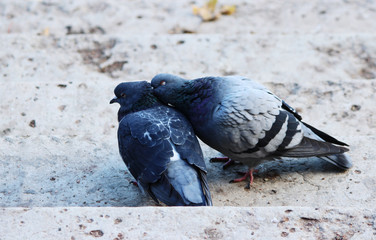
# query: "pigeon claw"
{"points": [[247, 174], [241, 179]]}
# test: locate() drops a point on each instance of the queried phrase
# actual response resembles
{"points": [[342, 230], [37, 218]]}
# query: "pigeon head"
{"points": [[169, 88], [194, 98], [133, 97]]}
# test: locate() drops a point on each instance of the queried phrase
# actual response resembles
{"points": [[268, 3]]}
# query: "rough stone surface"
{"points": [[171, 17], [91, 173], [189, 223], [59, 64]]}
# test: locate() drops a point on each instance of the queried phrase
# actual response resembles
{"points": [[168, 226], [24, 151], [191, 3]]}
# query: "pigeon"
{"points": [[246, 122], [159, 147]]}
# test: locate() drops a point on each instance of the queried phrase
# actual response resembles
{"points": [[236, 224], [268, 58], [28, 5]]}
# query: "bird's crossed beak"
{"points": [[115, 99]]}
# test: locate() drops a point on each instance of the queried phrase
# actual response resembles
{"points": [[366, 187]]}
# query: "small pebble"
{"points": [[62, 107], [355, 107], [284, 234], [118, 220], [96, 233], [32, 124]]}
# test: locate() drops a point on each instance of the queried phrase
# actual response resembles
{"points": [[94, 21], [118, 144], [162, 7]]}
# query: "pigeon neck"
{"points": [[200, 88], [147, 101], [199, 97]]}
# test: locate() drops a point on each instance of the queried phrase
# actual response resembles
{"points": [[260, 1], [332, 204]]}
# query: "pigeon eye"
{"points": [[162, 83], [123, 95]]}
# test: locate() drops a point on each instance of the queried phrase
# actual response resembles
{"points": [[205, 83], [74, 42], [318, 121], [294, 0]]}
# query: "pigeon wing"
{"points": [[254, 121], [188, 147], [182, 135], [147, 144], [144, 147], [261, 124]]}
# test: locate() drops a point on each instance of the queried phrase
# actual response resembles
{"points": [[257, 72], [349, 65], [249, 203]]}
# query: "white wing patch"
{"points": [[147, 134], [176, 155], [278, 139], [297, 138]]}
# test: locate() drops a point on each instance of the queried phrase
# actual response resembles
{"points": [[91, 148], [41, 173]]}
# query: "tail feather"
{"points": [[163, 191], [311, 147], [187, 180], [181, 185], [338, 159], [342, 161], [311, 134], [205, 188], [324, 136]]}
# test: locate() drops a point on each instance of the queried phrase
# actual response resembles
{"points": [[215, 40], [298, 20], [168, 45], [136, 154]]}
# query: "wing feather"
{"points": [[147, 141]]}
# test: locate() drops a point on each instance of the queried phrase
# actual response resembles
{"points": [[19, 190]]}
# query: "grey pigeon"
{"points": [[159, 147], [245, 121]]}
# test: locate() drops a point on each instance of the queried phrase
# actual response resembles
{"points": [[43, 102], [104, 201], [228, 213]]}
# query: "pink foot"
{"points": [[247, 174], [241, 179]]}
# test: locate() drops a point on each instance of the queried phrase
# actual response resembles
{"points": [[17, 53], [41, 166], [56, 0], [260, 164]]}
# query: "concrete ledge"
{"points": [[188, 223]]}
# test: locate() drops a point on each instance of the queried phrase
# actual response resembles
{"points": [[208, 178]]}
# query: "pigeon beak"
{"points": [[115, 99]]}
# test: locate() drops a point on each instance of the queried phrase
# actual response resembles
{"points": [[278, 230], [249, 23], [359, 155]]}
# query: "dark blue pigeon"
{"points": [[245, 121], [159, 147]]}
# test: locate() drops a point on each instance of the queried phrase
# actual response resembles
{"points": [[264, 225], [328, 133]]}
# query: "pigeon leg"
{"points": [[241, 179], [247, 174], [251, 175], [228, 161]]}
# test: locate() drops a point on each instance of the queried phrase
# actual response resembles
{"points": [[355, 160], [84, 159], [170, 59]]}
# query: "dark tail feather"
{"points": [[342, 161], [310, 148], [326, 137], [163, 191], [205, 188]]}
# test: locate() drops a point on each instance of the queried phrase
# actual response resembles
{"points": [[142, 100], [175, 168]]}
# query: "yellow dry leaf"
{"points": [[211, 5], [205, 13], [209, 13], [228, 9], [195, 10]]}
